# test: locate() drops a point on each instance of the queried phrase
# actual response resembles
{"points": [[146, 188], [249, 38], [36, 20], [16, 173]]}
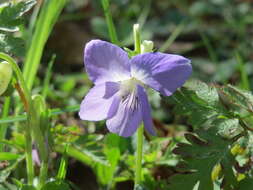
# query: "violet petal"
{"points": [[146, 111], [106, 62], [162, 72], [128, 117], [100, 103]]}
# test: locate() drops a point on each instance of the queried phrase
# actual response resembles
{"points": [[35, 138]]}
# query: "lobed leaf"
{"points": [[11, 15], [200, 157]]}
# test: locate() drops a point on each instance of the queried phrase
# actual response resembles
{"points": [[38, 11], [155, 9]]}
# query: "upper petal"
{"points": [[100, 103], [128, 117], [146, 110], [106, 62], [162, 72]]}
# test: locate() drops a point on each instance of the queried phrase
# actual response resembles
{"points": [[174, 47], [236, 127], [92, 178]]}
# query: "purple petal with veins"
{"points": [[162, 72]]}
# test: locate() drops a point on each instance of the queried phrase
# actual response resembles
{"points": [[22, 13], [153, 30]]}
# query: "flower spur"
{"points": [[119, 94]]}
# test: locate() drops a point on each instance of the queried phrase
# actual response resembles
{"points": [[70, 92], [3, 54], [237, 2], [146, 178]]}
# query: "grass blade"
{"points": [[109, 21], [51, 10], [244, 76], [172, 37], [56, 111], [48, 77]]}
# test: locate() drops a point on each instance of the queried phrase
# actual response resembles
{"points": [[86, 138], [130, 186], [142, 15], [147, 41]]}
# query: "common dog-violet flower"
{"points": [[119, 94]]}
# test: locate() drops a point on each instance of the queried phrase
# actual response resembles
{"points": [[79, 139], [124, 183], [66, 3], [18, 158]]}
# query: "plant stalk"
{"points": [[137, 181], [26, 98]]}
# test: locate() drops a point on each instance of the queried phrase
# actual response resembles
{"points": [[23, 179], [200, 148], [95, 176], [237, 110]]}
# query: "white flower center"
{"points": [[128, 86], [128, 92]]}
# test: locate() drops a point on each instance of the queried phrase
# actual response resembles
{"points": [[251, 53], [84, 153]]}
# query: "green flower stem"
{"points": [[109, 21], [26, 95], [29, 159], [43, 174], [137, 181], [137, 38], [35, 122], [3, 128]]}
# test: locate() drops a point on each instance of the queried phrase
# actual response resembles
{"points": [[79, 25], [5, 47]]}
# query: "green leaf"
{"points": [[199, 158], [228, 128], [12, 45], [246, 143], [5, 172], [199, 101], [140, 187], [207, 93], [2, 188], [56, 185], [87, 149], [8, 156], [28, 187], [113, 147], [237, 99], [204, 108], [11, 15], [47, 18], [11, 18], [53, 112], [245, 184]]}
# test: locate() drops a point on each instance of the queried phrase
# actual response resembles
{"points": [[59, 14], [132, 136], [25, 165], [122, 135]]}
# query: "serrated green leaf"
{"points": [[199, 101], [92, 148], [246, 142], [228, 128], [207, 93], [200, 156], [204, 108], [12, 45], [11, 15], [237, 99]]}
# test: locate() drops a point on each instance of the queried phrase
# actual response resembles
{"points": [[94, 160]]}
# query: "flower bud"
{"points": [[5, 76], [216, 172], [39, 103], [147, 46]]}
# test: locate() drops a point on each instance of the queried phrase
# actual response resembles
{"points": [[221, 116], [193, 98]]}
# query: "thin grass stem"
{"points": [[109, 21]]}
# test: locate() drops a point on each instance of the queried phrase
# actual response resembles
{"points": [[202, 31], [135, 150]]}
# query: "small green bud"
{"points": [[136, 29], [237, 150], [5, 76], [39, 103], [147, 46], [41, 112], [216, 172]]}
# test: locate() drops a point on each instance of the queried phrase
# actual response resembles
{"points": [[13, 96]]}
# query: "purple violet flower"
{"points": [[119, 94]]}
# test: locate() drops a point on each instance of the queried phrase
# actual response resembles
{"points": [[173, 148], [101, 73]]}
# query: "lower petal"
{"points": [[127, 119], [146, 110], [100, 103]]}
